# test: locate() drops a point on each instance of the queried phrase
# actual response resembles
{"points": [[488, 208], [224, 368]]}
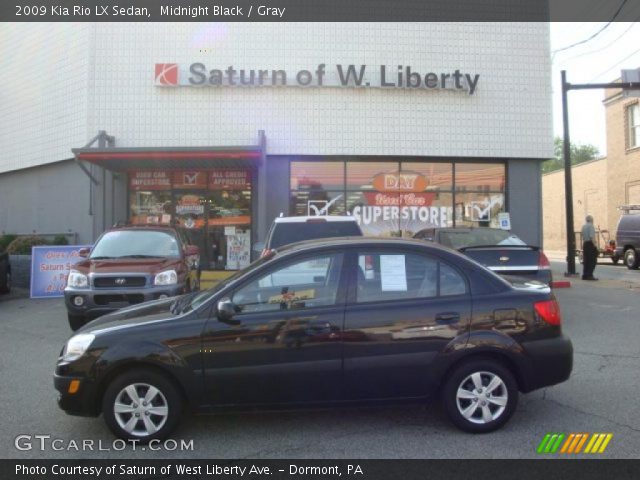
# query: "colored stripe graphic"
{"points": [[550, 443], [573, 443]]}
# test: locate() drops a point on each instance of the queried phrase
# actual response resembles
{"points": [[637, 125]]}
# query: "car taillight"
{"points": [[549, 311], [543, 261]]}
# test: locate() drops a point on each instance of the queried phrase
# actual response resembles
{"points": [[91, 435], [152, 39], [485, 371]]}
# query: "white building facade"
{"points": [[403, 125]]}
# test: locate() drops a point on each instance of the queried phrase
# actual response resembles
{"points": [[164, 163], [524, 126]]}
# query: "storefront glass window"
{"points": [[484, 177], [400, 198], [317, 175]]}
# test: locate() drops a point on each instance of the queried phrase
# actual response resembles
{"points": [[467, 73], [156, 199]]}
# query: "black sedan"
{"points": [[331, 322], [499, 250]]}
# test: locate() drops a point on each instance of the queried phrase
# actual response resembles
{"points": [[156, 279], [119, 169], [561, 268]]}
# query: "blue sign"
{"points": [[50, 267]]}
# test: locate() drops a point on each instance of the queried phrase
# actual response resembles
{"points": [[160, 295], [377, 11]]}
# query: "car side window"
{"points": [[306, 283], [403, 276], [451, 282]]}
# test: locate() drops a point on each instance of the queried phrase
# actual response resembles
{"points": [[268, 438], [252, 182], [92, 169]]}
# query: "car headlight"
{"points": [[76, 346], [169, 277], [77, 280]]}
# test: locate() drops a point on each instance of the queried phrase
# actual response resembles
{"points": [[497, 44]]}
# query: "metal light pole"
{"points": [[568, 185]]}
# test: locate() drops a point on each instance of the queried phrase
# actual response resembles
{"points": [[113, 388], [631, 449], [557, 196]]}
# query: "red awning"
{"points": [[120, 159]]}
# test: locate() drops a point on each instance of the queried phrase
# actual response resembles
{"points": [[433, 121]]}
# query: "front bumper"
{"points": [[83, 402], [101, 301], [550, 362]]}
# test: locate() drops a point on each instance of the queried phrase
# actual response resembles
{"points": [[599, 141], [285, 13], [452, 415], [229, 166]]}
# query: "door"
{"points": [[284, 343], [404, 308]]}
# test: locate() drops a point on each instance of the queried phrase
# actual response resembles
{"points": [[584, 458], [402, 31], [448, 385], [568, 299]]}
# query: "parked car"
{"points": [[499, 250], [426, 320], [5, 273], [130, 265], [628, 238], [286, 230]]}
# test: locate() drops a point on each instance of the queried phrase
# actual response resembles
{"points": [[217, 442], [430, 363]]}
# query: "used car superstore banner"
{"points": [[50, 267]]}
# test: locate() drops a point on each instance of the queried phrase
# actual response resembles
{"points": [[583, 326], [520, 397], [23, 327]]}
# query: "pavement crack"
{"points": [[607, 355], [575, 409]]}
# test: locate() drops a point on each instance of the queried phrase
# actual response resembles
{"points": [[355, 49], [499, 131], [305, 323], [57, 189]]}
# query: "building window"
{"points": [[633, 120], [400, 198]]}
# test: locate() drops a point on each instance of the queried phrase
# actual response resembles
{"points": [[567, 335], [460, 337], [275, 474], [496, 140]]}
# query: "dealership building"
{"points": [[218, 128]]}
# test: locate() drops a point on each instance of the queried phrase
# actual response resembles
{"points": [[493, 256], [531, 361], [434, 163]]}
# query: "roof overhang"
{"points": [[172, 158]]}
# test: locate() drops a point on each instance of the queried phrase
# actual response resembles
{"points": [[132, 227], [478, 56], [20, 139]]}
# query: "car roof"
{"points": [[324, 218], [368, 241], [159, 228]]}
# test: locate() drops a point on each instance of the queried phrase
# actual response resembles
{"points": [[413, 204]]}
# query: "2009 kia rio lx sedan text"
{"points": [[330, 322]]}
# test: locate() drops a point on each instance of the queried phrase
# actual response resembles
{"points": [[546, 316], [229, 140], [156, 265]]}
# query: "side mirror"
{"points": [[226, 311], [84, 252], [191, 250], [258, 247]]}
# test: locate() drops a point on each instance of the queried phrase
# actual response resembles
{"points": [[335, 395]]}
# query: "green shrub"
{"points": [[5, 240], [22, 245], [60, 240]]}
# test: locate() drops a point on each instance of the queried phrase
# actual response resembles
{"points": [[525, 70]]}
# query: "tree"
{"points": [[579, 154]]}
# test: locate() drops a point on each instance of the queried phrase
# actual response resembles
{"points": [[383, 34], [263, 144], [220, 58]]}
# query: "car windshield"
{"points": [[136, 244], [286, 233], [478, 237]]}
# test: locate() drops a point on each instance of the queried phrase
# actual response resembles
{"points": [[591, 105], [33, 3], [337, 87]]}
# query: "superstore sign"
{"points": [[400, 196], [322, 75]]}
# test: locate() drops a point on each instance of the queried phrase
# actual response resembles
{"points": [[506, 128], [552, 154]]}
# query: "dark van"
{"points": [[628, 238]]}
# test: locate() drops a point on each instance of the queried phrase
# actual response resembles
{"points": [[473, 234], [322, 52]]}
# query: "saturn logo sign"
{"points": [[167, 74], [121, 281]]}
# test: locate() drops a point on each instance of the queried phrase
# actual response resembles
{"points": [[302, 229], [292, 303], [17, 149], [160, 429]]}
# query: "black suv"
{"points": [[328, 322], [628, 239]]}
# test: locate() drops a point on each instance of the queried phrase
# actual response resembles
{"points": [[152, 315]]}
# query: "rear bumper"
{"points": [[550, 362]]}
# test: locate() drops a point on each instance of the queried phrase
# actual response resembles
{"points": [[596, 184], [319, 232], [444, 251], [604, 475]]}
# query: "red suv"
{"points": [[130, 265]]}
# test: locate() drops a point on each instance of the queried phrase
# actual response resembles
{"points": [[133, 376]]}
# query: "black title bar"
{"points": [[318, 10]]}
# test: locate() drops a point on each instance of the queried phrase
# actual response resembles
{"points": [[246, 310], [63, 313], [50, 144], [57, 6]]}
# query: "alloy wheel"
{"points": [[482, 397], [141, 409]]}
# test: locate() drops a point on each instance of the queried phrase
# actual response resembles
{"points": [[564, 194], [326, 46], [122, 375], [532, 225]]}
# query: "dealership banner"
{"points": [[50, 267]]}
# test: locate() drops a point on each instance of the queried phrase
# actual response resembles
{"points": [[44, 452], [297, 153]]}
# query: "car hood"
{"points": [[126, 265], [142, 313]]}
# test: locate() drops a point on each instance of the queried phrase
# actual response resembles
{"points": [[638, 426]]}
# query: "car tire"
{"points": [[631, 260], [6, 288], [466, 386], [136, 419], [76, 321]]}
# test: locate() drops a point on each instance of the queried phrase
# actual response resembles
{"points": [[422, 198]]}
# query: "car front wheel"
{"points": [[631, 259], [480, 396], [142, 405]]}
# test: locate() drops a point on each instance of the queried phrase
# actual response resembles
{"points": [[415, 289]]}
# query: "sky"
{"points": [[598, 60]]}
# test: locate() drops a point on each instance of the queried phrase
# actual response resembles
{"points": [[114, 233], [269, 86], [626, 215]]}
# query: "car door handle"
{"points": [[447, 317]]}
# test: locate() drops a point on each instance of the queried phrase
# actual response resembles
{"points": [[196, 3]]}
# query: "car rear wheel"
{"points": [[631, 259], [75, 321], [480, 396], [142, 405]]}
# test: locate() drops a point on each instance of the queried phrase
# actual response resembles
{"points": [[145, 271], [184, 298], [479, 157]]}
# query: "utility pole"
{"points": [[568, 185]]}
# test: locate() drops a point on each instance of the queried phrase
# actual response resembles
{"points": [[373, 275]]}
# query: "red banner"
{"points": [[229, 179], [149, 180]]}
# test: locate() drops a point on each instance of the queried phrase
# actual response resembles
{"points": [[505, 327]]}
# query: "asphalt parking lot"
{"points": [[602, 396]]}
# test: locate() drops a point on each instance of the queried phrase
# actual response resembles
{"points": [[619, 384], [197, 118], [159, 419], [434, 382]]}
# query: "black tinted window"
{"points": [[286, 233]]}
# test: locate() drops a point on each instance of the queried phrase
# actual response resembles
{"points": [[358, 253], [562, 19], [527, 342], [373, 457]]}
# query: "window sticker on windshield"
{"points": [[393, 274]]}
